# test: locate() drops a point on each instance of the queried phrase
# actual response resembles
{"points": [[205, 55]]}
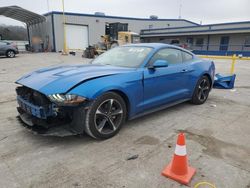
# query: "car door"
{"points": [[190, 73], [165, 85]]}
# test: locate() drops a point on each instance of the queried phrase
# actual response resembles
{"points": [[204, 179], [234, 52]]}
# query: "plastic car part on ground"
{"points": [[224, 82]]}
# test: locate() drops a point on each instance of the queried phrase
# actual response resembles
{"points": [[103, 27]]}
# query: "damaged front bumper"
{"points": [[36, 111], [52, 120], [41, 127]]}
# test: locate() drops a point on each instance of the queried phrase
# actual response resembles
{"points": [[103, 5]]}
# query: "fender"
{"points": [[129, 84]]}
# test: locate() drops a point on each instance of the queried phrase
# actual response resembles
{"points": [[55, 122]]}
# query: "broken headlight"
{"points": [[67, 99]]}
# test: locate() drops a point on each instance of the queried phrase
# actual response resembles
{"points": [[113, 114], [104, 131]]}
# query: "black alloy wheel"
{"points": [[108, 116], [203, 89], [105, 116]]}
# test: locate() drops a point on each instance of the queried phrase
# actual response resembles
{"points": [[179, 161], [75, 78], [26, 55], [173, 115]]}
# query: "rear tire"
{"points": [[201, 91], [105, 116], [10, 54]]}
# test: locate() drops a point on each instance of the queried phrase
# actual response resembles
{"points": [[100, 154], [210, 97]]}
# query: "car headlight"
{"points": [[67, 99]]}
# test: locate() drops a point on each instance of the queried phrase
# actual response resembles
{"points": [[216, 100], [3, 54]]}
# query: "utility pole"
{"points": [[65, 51], [48, 5], [180, 7]]}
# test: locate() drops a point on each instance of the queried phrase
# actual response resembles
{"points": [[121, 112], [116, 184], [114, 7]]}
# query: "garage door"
{"points": [[77, 37]]}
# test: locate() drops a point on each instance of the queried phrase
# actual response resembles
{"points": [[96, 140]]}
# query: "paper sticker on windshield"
{"points": [[137, 50]]}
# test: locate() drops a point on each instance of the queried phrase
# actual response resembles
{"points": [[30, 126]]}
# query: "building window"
{"points": [[150, 26], [199, 42], [190, 41], [224, 41], [175, 41], [247, 41]]}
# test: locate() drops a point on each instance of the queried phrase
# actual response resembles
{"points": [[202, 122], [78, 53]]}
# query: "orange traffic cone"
{"points": [[178, 169]]}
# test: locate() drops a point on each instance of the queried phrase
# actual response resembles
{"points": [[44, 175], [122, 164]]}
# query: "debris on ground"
{"points": [[232, 90], [133, 157], [3, 138]]}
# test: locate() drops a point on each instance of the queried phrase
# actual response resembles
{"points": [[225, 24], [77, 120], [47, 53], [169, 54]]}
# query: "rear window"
{"points": [[5, 43], [172, 56]]}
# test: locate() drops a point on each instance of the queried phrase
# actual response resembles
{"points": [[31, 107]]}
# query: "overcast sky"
{"points": [[207, 11]]}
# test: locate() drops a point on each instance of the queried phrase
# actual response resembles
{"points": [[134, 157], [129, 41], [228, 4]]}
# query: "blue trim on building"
{"points": [[53, 32], [203, 31], [228, 23], [116, 17], [198, 26], [222, 53], [169, 28]]}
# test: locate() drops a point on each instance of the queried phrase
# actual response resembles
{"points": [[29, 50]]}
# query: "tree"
{"points": [[13, 32]]}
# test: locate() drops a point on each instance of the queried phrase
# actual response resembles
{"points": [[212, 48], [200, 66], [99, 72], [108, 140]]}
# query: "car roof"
{"points": [[151, 45], [5, 42], [157, 46]]}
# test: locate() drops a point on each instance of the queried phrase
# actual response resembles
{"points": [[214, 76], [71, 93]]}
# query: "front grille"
{"points": [[32, 96], [34, 103]]}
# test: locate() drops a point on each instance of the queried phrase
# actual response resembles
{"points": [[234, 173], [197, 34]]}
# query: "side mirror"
{"points": [[159, 63]]}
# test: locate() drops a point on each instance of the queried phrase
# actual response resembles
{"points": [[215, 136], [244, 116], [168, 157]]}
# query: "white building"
{"points": [[83, 30], [46, 32], [213, 39]]}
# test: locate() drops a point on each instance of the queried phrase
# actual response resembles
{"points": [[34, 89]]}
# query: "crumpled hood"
{"points": [[61, 79]]}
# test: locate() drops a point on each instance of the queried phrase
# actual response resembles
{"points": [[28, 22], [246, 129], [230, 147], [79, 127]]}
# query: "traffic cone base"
{"points": [[178, 168], [184, 179]]}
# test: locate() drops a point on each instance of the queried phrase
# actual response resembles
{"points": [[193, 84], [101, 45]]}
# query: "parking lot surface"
{"points": [[217, 136]]}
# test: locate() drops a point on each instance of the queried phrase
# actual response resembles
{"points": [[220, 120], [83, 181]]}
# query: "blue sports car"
{"points": [[121, 84]]}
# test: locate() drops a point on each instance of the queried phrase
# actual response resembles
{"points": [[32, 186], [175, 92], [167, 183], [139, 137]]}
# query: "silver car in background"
{"points": [[8, 49]]}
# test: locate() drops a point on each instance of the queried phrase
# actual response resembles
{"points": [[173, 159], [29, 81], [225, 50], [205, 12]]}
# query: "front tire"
{"points": [[105, 116], [114, 45], [201, 91]]}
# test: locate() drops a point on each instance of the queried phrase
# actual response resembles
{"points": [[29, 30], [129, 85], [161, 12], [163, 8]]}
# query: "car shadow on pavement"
{"points": [[154, 115]]}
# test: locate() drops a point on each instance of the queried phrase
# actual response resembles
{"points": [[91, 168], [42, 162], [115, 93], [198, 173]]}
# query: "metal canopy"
{"points": [[22, 15]]}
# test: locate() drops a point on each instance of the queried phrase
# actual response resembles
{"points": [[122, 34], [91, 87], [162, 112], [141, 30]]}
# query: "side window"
{"points": [[186, 56], [172, 56], [199, 42]]}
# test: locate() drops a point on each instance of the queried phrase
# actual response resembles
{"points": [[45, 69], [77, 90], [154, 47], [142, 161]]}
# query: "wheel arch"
{"points": [[9, 51], [199, 77], [124, 97], [209, 77]]}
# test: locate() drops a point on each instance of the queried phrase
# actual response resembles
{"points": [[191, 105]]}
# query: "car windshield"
{"points": [[127, 56]]}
